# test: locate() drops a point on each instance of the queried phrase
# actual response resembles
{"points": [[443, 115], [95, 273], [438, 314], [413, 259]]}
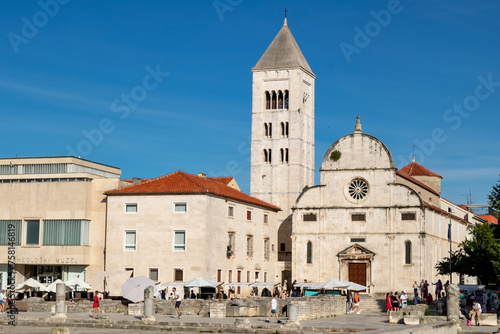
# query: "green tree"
{"points": [[494, 198], [479, 255]]}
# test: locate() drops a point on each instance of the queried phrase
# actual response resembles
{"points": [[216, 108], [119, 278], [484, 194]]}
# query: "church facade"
{"points": [[366, 222]]}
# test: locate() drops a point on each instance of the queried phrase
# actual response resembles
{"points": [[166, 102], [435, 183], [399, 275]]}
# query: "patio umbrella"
{"points": [[114, 281], [52, 287], [78, 283], [30, 284], [334, 284], [133, 288], [200, 282], [172, 284], [356, 287]]}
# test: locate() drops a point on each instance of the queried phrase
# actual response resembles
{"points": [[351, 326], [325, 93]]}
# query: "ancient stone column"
{"points": [[60, 301], [453, 302], [149, 310]]}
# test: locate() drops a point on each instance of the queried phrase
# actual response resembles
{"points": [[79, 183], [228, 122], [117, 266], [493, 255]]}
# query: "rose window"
{"points": [[358, 189]]}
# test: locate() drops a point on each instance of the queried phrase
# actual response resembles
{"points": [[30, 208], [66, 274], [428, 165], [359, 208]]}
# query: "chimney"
{"points": [[203, 175], [136, 180]]}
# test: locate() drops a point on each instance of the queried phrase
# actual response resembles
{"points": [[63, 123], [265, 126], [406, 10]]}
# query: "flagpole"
{"points": [[449, 238]]}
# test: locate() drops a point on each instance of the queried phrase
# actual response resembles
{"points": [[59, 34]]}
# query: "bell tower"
{"points": [[282, 148]]}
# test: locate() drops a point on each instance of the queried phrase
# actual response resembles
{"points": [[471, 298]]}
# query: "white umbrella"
{"points": [[30, 283], [172, 284], [133, 288], [114, 281], [78, 283], [356, 287], [53, 286], [200, 282], [334, 284]]}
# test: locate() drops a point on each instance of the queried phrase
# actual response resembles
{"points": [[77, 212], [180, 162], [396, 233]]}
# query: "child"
{"points": [[274, 304]]}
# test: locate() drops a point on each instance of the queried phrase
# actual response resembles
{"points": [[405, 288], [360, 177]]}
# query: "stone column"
{"points": [[60, 301], [452, 302], [149, 310]]}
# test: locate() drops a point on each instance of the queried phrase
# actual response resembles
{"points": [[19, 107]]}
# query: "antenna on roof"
{"points": [[286, 10], [413, 159]]}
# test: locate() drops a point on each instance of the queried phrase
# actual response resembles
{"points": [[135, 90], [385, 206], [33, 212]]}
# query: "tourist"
{"points": [[404, 299], [395, 301], [422, 288], [3, 301], [163, 294], [439, 287], [429, 299], [273, 306], [96, 305], [388, 303], [425, 290], [476, 311], [177, 298], [415, 288], [356, 303], [416, 299]]}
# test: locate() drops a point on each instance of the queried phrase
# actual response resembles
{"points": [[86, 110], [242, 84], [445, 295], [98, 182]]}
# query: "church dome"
{"points": [[357, 151]]}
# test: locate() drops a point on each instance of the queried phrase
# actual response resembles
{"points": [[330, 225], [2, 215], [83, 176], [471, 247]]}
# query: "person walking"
{"points": [[177, 298], [388, 303], [356, 303], [273, 306], [415, 288], [96, 305], [3, 301]]}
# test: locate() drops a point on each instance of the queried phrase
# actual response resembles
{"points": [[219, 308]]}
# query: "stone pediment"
{"points": [[356, 251]]}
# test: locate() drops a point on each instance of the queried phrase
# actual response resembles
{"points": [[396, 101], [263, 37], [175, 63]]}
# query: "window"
{"points": [[130, 269], [284, 129], [309, 252], [14, 228], [358, 189], [268, 100], [153, 274], [358, 239], [130, 240], [267, 156], [358, 217], [248, 277], [219, 275], [230, 276], [280, 100], [230, 211], [249, 245], [32, 232], [230, 243], [268, 130], [266, 248], [256, 276], [282, 247], [286, 155], [309, 217], [408, 216], [66, 232], [179, 240], [249, 215], [131, 207], [273, 100], [286, 99], [407, 252], [265, 276], [178, 275], [180, 207], [266, 218]]}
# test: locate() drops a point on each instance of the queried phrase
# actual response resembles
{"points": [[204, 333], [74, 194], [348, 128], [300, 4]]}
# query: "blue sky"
{"points": [[425, 73]]}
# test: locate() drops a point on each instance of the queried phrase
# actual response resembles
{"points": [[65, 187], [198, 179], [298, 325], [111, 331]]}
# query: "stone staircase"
{"points": [[372, 304]]}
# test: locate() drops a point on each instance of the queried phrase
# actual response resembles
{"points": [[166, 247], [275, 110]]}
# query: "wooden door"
{"points": [[357, 273]]}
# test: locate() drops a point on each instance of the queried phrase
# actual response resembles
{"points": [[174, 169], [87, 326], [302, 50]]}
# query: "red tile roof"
{"points": [[490, 219], [414, 169], [432, 207], [184, 183], [222, 179], [417, 182]]}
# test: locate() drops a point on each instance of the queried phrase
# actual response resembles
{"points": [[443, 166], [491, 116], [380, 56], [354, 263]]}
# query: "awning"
{"points": [[236, 284], [263, 285]]}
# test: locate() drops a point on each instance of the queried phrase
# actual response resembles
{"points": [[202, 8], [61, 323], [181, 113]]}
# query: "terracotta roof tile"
{"points": [[417, 182], [222, 179], [184, 183], [490, 219], [414, 169]]}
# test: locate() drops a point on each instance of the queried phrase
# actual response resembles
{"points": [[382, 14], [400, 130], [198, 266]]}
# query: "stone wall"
{"points": [[318, 307]]}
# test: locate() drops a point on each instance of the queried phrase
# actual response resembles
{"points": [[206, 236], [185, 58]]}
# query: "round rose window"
{"points": [[358, 189]]}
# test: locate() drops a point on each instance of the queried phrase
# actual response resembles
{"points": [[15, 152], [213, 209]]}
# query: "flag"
{"points": [[449, 231]]}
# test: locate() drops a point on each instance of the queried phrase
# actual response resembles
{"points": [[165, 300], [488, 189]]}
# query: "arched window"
{"points": [[273, 100], [269, 155], [268, 100], [309, 252], [286, 99], [266, 130], [280, 100], [266, 158], [407, 252], [282, 155], [270, 127], [286, 155], [286, 130], [282, 130]]}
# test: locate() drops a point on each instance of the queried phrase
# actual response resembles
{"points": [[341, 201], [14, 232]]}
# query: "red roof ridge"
{"points": [[435, 208], [417, 182], [185, 175], [414, 168]]}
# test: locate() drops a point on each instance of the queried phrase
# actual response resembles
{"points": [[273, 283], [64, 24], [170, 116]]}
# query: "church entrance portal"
{"points": [[357, 273]]}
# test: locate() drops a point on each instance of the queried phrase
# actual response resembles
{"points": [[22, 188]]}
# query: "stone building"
{"points": [[372, 224], [180, 226], [282, 149], [58, 209]]}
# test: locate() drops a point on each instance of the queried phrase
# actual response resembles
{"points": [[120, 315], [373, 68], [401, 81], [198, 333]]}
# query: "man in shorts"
{"points": [[3, 301], [177, 298], [356, 303], [274, 305]]}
